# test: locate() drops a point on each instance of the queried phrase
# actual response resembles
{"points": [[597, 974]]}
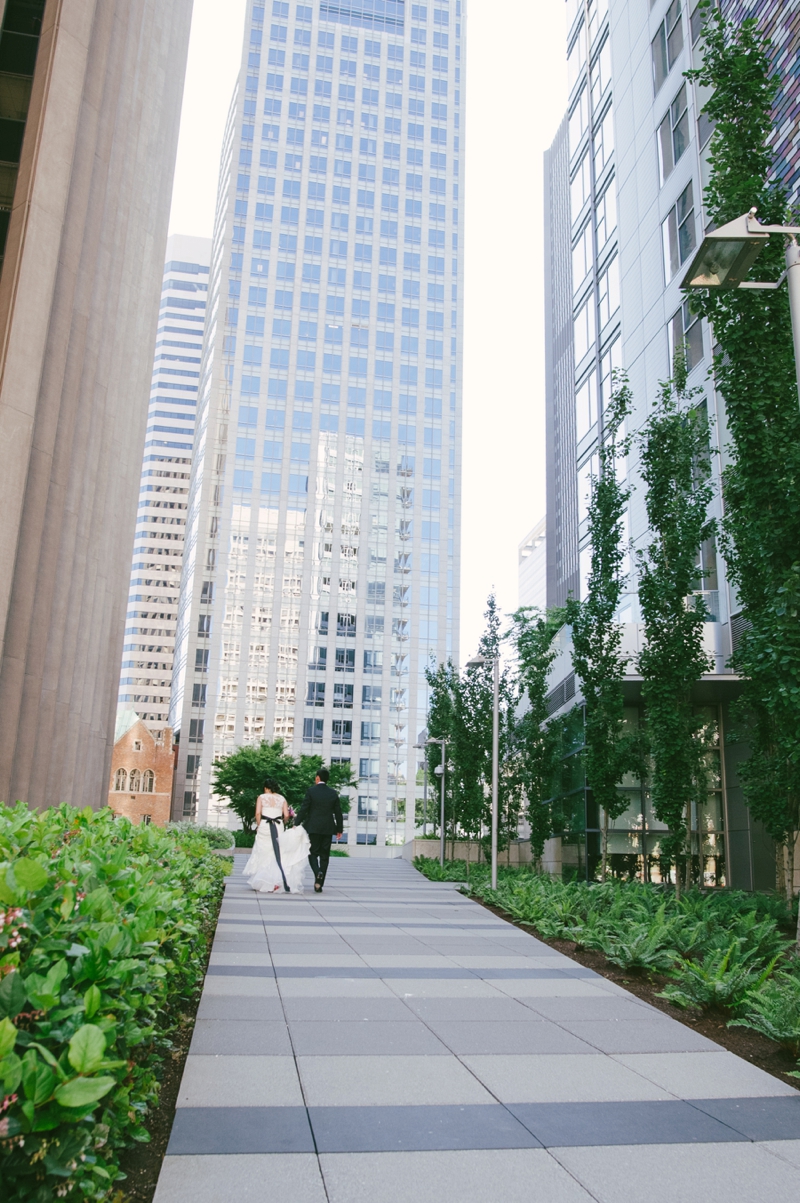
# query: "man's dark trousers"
{"points": [[321, 815], [319, 854]]}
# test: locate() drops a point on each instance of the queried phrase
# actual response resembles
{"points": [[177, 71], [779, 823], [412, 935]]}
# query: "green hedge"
{"points": [[104, 932]]}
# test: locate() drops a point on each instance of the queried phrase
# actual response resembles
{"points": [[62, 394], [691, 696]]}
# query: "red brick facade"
{"points": [[141, 772]]}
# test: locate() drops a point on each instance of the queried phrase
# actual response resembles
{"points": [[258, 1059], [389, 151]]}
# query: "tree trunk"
{"points": [[604, 868]]}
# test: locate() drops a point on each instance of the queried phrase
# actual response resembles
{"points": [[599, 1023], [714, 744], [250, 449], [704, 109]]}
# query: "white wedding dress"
{"points": [[262, 868]]}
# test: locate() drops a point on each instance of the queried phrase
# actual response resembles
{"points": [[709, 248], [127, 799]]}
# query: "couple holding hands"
{"points": [[280, 853]]}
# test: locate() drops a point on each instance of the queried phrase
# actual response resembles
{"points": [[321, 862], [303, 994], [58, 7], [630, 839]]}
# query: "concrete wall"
{"points": [[79, 299]]}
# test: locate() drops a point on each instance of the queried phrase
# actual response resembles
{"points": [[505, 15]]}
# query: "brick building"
{"points": [[141, 771]]}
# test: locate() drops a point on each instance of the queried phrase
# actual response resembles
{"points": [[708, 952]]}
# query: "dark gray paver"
{"points": [[208, 1130]]}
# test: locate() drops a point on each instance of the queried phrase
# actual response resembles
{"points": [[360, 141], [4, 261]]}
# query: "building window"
{"points": [[343, 696], [147, 820], [611, 360], [608, 292], [148, 781], [584, 327], [673, 134], [601, 74], [586, 405], [135, 781], [312, 730], [346, 624], [606, 215], [370, 733], [604, 142], [342, 731], [120, 780], [345, 659], [582, 257], [678, 233], [667, 44], [578, 121], [686, 330], [137, 745], [580, 187], [316, 693]]}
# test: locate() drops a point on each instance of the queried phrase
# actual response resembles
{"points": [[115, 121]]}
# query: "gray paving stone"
{"points": [[597, 1007], [388, 1081], [262, 1010], [490, 1037], [240, 1130], [713, 1173], [668, 1121], [333, 988], [249, 1080], [469, 1176], [360, 1038], [760, 1119], [235, 1037], [218, 1179], [561, 1078], [494, 1009], [230, 985], [411, 988], [640, 1036], [387, 1129], [382, 1010], [702, 1075], [240, 958]]}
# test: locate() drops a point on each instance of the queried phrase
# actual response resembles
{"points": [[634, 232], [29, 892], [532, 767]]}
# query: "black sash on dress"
{"points": [[276, 848]]}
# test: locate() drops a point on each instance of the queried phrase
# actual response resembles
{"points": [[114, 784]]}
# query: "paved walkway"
{"points": [[392, 1042]]}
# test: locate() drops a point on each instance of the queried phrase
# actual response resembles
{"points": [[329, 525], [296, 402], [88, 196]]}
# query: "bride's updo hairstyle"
{"points": [[271, 786]]}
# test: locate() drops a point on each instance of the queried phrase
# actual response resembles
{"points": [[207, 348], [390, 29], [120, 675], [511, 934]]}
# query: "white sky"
{"points": [[515, 99]]}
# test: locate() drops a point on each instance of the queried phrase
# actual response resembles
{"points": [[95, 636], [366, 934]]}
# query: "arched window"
{"points": [[148, 781], [120, 778], [135, 780]]}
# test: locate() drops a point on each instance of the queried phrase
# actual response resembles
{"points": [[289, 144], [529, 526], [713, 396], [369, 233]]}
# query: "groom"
{"points": [[321, 815]]}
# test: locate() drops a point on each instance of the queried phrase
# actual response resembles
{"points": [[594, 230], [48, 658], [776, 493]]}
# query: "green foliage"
{"points": [[460, 711], [452, 870], [104, 931], [535, 742], [597, 636], [240, 777], [774, 1010], [675, 467], [720, 979], [217, 837], [755, 372], [244, 839], [642, 946]]}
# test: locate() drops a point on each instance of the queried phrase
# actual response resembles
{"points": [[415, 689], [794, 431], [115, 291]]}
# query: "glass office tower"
{"points": [[152, 614], [624, 182], [322, 562]]}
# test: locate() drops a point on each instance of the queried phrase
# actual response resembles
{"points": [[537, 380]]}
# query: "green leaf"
{"points": [[91, 1001], [8, 1037], [37, 1079], [30, 875], [81, 1092], [12, 994], [86, 1048], [11, 1072]]}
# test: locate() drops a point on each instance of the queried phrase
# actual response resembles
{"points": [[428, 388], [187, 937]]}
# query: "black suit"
{"points": [[321, 815]]}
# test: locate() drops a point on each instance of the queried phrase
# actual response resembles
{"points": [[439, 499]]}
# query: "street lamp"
{"points": [[727, 254], [495, 662]]}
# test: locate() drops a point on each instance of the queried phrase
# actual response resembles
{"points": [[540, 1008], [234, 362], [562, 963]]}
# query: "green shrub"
{"points": [[774, 1010], [244, 839], [721, 979], [217, 837], [453, 870], [103, 940]]}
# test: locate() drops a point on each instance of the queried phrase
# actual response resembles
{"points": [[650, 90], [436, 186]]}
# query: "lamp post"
{"points": [[727, 254], [495, 662]]}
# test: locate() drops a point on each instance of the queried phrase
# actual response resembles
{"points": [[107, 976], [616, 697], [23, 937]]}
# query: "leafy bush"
{"points": [[244, 839], [217, 837], [721, 979], [644, 946], [453, 870], [339, 852], [774, 1010], [104, 929]]}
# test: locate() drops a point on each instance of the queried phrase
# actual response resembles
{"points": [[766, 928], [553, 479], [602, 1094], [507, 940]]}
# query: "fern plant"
{"points": [[721, 979]]}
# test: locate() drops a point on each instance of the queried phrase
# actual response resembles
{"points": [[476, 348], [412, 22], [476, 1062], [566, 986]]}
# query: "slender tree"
{"points": [[535, 743], [754, 369], [597, 635], [675, 467]]}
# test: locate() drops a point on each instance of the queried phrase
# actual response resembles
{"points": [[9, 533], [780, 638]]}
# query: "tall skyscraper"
{"points": [[532, 565], [147, 652], [322, 563], [90, 99], [624, 182]]}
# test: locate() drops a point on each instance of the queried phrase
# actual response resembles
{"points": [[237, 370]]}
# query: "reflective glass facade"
{"points": [[152, 614], [323, 532]]}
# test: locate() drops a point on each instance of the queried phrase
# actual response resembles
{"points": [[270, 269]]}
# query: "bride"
{"points": [[279, 857]]}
